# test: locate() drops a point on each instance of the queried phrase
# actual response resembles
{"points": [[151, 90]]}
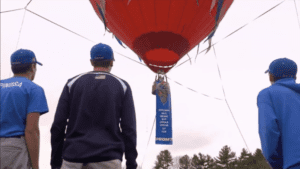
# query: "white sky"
{"points": [[200, 123]]}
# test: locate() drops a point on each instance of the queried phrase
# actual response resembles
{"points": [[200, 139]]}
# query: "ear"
{"points": [[271, 78], [92, 63], [33, 66]]}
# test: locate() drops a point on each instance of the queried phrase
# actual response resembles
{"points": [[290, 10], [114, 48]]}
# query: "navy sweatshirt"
{"points": [[101, 122]]}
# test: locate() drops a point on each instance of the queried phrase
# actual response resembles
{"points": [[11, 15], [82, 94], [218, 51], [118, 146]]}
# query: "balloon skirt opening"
{"points": [[161, 59]]}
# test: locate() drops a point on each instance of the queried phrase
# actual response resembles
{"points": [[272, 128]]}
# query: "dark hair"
{"points": [[104, 64], [278, 78], [22, 68]]}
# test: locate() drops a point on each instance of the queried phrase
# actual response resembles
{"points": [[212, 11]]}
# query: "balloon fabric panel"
{"points": [[161, 32]]}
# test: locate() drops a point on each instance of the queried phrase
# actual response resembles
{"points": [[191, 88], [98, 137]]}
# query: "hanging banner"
{"points": [[163, 112]]}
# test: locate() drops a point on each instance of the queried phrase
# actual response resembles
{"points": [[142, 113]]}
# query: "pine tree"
{"points": [[158, 163], [185, 162], [176, 163], [258, 154], [209, 162], [164, 160], [263, 164], [195, 162], [226, 158], [244, 155], [260, 160], [233, 164], [245, 159], [198, 162]]}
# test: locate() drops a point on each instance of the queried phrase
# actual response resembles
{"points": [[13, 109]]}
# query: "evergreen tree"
{"points": [[245, 159], [226, 158], [209, 162], [198, 162], [258, 154], [263, 164], [260, 160], [233, 164], [195, 162], [158, 163], [244, 155], [164, 160], [176, 163], [185, 162]]}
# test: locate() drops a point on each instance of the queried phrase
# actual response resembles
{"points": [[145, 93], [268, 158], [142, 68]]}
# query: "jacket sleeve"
{"points": [[58, 128], [128, 126], [269, 131]]}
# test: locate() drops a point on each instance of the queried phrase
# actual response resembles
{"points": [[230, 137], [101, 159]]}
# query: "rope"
{"points": [[114, 51], [228, 104], [195, 90], [235, 31], [20, 28], [80, 35], [12, 10], [60, 26], [297, 13], [177, 66], [28, 4], [148, 142]]}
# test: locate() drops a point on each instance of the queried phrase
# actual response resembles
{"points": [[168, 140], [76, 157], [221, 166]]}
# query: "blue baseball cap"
{"points": [[283, 67], [23, 56], [102, 52]]}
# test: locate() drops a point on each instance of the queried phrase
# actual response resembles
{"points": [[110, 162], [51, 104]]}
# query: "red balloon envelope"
{"points": [[161, 32]]}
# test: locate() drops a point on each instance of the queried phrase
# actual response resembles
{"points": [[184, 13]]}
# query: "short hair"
{"points": [[21, 68], [104, 64], [278, 78]]}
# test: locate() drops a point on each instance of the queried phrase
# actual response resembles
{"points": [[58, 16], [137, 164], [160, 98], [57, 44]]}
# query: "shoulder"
{"points": [[74, 78], [122, 81], [77, 76], [267, 94], [124, 84], [34, 86], [264, 91], [264, 95]]}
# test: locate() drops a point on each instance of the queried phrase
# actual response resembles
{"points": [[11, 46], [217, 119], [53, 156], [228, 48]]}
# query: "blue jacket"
{"points": [[279, 123], [102, 122]]}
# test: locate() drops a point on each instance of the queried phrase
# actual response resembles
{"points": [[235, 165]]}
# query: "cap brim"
{"points": [[267, 71], [102, 60], [39, 63]]}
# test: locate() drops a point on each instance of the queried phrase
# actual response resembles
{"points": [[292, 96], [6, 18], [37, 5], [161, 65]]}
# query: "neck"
{"points": [[22, 75], [101, 69]]}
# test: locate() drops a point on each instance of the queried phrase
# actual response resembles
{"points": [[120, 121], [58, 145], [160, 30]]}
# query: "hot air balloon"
{"points": [[161, 32]]}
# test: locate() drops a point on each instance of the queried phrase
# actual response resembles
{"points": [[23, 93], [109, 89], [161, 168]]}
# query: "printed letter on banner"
{"points": [[163, 114]]}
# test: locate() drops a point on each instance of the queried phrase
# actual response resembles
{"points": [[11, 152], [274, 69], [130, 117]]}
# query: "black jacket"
{"points": [[101, 123]]}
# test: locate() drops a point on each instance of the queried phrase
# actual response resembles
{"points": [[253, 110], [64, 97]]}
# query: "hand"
{"points": [[153, 88]]}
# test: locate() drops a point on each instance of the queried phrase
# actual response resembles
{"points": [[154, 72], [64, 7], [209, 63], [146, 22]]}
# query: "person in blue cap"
{"points": [[99, 112], [279, 116], [22, 103]]}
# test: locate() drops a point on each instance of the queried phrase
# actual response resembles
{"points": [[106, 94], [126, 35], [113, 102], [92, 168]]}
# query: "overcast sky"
{"points": [[200, 124]]}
